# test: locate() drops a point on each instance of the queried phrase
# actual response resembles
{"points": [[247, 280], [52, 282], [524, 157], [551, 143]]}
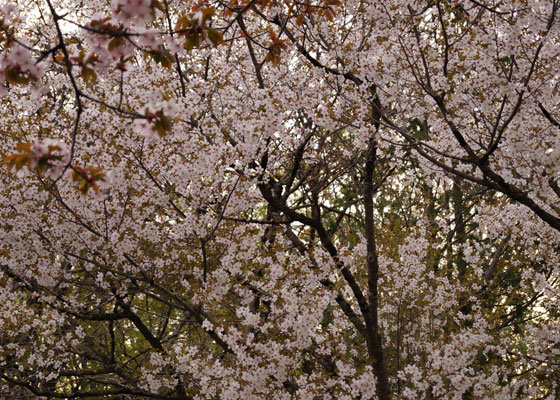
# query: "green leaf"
{"points": [[214, 36], [192, 42]]}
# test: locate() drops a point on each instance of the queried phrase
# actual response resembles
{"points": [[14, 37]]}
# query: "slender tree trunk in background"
{"points": [[374, 342]]}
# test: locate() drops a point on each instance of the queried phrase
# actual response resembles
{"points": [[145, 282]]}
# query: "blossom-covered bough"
{"points": [[288, 199]]}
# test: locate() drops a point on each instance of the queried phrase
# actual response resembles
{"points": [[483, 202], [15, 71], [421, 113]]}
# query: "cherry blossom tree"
{"points": [[261, 199]]}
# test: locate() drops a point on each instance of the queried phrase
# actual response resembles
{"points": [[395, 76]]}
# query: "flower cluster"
{"points": [[50, 156]]}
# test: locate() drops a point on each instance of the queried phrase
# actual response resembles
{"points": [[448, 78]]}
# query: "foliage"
{"points": [[270, 199]]}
